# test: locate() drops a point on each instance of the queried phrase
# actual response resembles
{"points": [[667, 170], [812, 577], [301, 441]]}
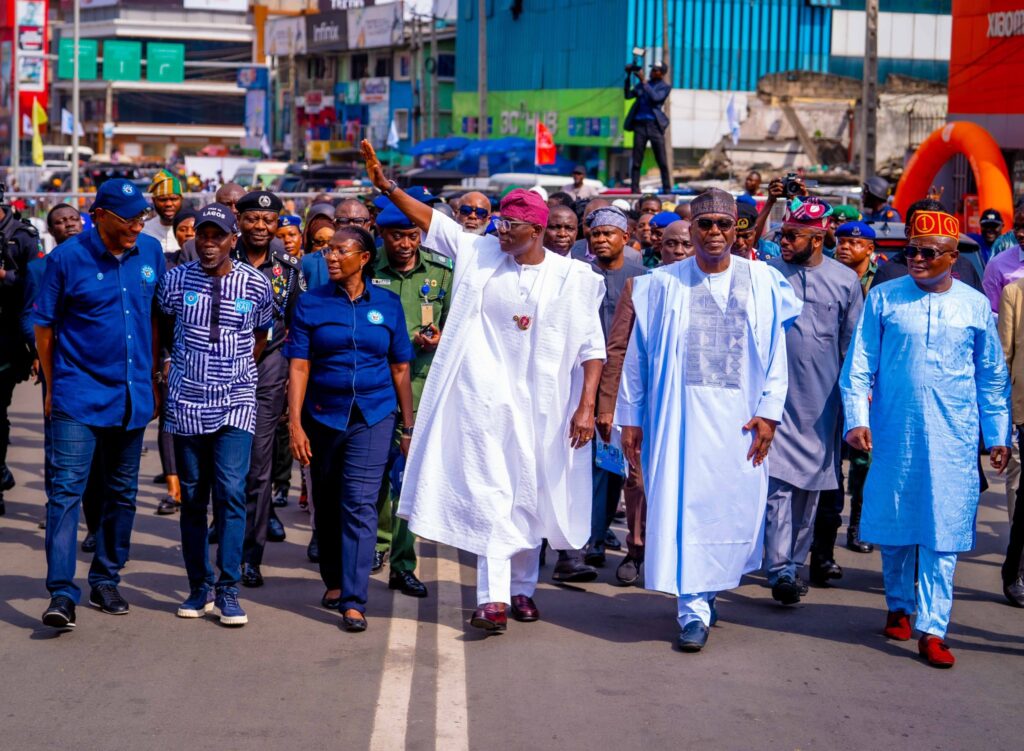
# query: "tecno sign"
{"points": [[1007, 24]]}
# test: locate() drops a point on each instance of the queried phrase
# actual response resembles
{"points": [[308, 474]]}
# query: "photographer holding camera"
{"points": [[646, 120]]}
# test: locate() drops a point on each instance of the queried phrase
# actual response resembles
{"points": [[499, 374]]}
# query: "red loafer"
{"points": [[897, 626], [933, 649], [524, 609], [491, 617]]}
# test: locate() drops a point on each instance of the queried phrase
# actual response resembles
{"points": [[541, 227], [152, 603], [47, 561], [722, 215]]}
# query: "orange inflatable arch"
{"points": [[981, 150]]}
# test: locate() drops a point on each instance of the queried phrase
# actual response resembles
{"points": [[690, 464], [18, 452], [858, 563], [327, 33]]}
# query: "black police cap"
{"points": [[259, 200]]}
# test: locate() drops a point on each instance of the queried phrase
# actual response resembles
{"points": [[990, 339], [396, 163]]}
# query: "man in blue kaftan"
{"points": [[924, 363]]}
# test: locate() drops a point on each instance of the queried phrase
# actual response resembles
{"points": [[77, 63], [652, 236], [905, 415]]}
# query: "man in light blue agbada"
{"points": [[924, 363]]}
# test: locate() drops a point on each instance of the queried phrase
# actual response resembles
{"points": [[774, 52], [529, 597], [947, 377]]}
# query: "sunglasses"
{"points": [[926, 254], [342, 221], [468, 210], [506, 225], [319, 243], [704, 224], [792, 235]]}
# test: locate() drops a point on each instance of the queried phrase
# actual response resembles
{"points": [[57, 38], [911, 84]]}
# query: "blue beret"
{"points": [[289, 220], [856, 229], [390, 217], [664, 218], [421, 194], [120, 197]]}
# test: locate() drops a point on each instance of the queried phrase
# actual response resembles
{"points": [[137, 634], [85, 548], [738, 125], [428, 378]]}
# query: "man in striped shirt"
{"points": [[221, 310]]}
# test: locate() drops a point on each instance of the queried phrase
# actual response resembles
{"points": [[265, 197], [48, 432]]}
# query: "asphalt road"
{"points": [[598, 671]]}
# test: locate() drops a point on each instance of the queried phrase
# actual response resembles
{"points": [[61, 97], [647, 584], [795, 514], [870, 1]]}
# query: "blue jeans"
{"points": [[347, 469], [70, 447], [216, 462]]}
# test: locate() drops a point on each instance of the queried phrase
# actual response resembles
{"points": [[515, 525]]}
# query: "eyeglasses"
{"points": [[925, 253], [142, 218], [704, 224], [342, 221], [506, 225], [330, 252], [468, 210]]}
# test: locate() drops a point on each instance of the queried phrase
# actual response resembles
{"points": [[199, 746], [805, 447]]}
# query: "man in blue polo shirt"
{"points": [[94, 327]]}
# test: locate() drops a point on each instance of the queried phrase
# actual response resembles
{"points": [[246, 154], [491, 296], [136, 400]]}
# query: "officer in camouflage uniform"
{"points": [[257, 219], [423, 280], [20, 244]]}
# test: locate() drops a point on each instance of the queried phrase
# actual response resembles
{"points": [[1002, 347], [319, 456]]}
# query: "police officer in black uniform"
{"points": [[19, 244], [257, 221]]}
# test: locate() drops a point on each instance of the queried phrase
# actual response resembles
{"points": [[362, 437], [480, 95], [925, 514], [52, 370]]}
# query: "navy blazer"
{"points": [[655, 92]]}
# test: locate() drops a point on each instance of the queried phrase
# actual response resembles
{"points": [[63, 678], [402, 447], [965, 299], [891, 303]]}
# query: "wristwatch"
{"points": [[408, 431], [392, 186]]}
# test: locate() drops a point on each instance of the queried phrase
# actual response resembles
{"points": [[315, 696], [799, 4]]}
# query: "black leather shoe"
{"points": [[108, 599], [275, 530], [354, 625], [6, 479], [407, 583], [251, 576], [693, 637], [379, 556], [89, 543], [854, 543], [594, 556], [822, 572], [167, 506], [281, 496], [786, 591], [611, 541], [331, 603], [60, 613], [573, 570], [313, 549]]}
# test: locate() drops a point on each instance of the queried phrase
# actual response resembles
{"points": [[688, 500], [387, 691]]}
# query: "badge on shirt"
{"points": [[191, 298], [243, 306], [382, 282], [148, 275], [375, 317]]}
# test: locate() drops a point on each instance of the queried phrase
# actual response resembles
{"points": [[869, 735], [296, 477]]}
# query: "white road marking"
{"points": [[452, 726], [391, 717]]}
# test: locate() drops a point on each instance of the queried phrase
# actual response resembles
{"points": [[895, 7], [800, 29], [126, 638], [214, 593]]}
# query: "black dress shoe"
{"points": [[60, 613], [108, 599], [354, 625], [379, 556], [89, 543], [611, 541], [854, 543], [167, 506], [331, 603], [275, 530], [693, 637], [786, 591], [594, 555], [822, 572], [313, 549], [6, 479], [251, 576], [573, 570], [407, 583]]}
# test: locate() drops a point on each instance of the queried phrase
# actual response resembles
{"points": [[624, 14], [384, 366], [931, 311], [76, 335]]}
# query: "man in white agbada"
{"points": [[703, 389], [495, 464]]}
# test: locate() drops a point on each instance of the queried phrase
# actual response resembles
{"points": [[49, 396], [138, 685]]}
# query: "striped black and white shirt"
{"points": [[212, 383]]}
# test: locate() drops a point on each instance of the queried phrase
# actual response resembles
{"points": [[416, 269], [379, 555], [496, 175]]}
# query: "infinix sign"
{"points": [[1008, 24]]}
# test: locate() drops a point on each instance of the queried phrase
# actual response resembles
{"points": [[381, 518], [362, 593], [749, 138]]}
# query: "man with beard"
{"points": [[560, 233], [166, 192], [474, 212], [257, 220], [221, 311]]}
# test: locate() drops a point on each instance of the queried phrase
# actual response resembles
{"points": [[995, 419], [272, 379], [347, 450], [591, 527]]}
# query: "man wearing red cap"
{"points": [[924, 373], [495, 464]]}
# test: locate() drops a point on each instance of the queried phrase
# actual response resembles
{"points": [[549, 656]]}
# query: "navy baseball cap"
{"points": [[990, 216], [855, 229], [121, 197], [218, 215]]}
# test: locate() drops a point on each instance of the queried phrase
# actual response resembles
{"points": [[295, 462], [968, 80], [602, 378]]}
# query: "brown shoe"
{"points": [[524, 609], [490, 617], [897, 626]]}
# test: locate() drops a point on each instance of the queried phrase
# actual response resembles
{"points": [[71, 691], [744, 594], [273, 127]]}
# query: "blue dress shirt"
{"points": [[350, 345], [101, 311]]}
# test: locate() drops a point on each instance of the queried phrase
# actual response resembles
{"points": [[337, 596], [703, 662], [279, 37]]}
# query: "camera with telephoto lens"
{"points": [[791, 185], [637, 65]]}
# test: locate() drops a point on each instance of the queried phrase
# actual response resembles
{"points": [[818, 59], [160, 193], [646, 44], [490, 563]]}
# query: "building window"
{"points": [[403, 66], [446, 66], [402, 123], [383, 67], [360, 66]]}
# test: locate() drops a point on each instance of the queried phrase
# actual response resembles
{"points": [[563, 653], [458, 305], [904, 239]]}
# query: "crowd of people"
{"points": [[498, 379]]}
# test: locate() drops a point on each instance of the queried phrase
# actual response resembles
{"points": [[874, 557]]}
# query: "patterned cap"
{"points": [[608, 216], [713, 201], [808, 212], [934, 224], [165, 184]]}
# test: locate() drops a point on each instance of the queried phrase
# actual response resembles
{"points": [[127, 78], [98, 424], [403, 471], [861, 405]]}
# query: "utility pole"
{"points": [[869, 96], [433, 76], [414, 80], [15, 115], [666, 57], [75, 104], [293, 85], [481, 75]]}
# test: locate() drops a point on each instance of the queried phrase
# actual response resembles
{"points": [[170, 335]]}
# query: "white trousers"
{"points": [[695, 607], [497, 579]]}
